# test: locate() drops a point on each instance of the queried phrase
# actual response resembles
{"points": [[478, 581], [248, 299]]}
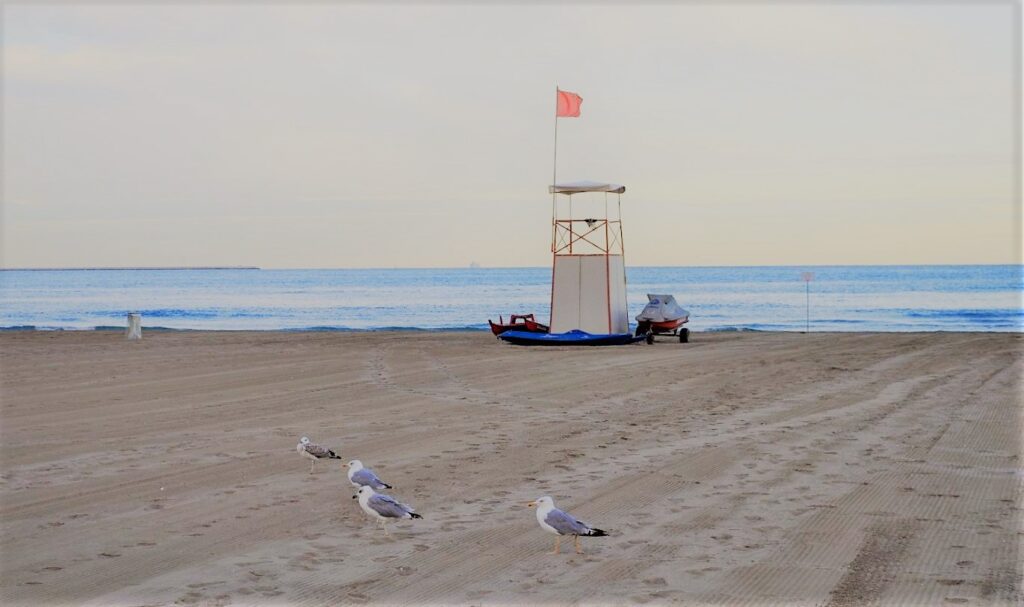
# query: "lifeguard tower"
{"points": [[588, 276]]}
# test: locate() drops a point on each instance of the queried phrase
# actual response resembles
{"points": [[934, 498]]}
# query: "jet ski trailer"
{"points": [[662, 316]]}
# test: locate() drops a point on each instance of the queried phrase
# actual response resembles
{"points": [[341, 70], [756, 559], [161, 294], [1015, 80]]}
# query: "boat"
{"points": [[517, 322], [569, 338], [662, 316]]}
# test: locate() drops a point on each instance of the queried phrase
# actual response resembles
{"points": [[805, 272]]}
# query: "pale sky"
{"points": [[420, 135]]}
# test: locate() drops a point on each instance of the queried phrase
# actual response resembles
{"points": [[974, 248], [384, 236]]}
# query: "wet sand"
{"points": [[742, 468]]}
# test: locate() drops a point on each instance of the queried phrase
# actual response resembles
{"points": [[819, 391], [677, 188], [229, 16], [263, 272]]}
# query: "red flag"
{"points": [[568, 105]]}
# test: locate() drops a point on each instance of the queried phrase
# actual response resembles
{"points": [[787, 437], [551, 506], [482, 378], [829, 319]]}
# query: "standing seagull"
{"points": [[554, 520], [359, 476], [382, 507], [314, 452]]}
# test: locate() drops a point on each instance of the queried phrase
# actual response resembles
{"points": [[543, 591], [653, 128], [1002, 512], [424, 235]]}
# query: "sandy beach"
{"points": [[738, 469]]}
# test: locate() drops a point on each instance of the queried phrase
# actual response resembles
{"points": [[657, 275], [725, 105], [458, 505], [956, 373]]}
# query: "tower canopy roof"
{"points": [[576, 187]]}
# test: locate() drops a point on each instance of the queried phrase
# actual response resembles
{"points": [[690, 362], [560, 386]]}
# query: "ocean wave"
{"points": [[341, 329], [84, 328], [971, 315], [844, 298], [145, 328], [312, 329], [192, 313]]}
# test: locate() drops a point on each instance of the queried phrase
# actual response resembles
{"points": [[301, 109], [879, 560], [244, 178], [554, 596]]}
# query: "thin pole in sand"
{"points": [[808, 277]]}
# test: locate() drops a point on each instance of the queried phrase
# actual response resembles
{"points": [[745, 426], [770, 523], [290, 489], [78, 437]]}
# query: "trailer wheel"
{"points": [[650, 338], [684, 336]]}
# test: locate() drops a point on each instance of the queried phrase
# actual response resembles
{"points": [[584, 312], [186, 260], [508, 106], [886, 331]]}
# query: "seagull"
{"points": [[560, 523], [382, 507], [359, 476], [314, 452]]}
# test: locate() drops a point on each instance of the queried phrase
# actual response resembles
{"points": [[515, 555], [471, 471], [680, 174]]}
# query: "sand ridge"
{"points": [[742, 468]]}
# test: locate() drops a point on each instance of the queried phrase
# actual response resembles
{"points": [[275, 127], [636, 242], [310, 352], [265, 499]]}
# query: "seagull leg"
{"points": [[578, 550], [312, 463], [558, 545], [385, 526]]}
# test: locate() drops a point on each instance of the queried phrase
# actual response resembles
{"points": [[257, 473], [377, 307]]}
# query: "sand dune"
{"points": [[825, 469]]}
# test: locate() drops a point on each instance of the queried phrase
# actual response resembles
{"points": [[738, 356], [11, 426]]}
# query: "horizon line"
{"points": [[91, 268], [480, 267]]}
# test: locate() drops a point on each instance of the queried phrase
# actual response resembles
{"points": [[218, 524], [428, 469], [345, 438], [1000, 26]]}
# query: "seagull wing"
{"points": [[319, 452], [367, 478], [565, 524], [386, 506]]}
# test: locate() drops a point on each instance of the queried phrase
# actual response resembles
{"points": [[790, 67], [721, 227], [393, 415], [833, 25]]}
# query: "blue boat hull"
{"points": [[569, 338]]}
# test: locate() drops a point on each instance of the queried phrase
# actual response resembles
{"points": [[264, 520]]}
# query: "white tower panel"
{"points": [[617, 305], [589, 293]]}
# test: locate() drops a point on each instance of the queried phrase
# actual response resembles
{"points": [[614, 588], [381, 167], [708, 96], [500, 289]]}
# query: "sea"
{"points": [[757, 298]]}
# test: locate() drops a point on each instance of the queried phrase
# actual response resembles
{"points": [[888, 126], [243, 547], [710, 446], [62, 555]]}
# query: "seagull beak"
{"points": [[531, 504], [355, 496]]}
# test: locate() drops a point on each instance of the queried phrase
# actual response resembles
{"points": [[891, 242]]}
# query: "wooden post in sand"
{"points": [[808, 277], [134, 330]]}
